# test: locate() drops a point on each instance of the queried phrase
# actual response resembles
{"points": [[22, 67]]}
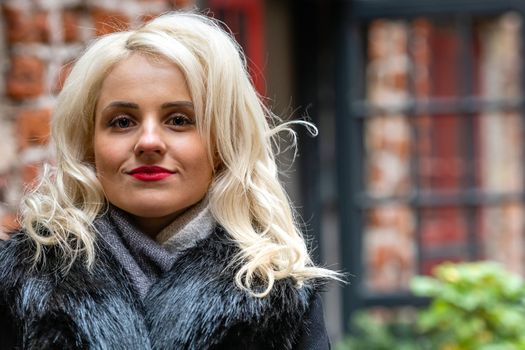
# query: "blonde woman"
{"points": [[163, 224]]}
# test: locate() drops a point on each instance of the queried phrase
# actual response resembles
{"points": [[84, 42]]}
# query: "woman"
{"points": [[163, 224]]}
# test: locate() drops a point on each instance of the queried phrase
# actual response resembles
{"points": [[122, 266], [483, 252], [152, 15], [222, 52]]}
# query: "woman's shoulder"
{"points": [[19, 262], [203, 281], [16, 256], [219, 254], [215, 261], [313, 334], [18, 247]]}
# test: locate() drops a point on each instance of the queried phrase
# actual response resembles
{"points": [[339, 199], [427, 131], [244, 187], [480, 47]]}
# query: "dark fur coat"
{"points": [[194, 306]]}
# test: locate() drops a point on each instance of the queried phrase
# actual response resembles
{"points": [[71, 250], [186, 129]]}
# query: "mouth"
{"points": [[150, 173]]}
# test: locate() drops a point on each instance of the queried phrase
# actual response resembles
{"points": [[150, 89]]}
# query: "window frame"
{"points": [[352, 112]]}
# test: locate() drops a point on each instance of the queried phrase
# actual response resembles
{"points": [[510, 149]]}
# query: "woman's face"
{"points": [[149, 157]]}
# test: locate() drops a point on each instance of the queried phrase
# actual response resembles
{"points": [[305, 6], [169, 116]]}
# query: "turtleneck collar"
{"points": [[191, 226], [144, 258]]}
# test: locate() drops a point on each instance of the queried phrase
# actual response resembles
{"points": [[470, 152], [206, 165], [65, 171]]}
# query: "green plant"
{"points": [[372, 333], [474, 306], [477, 306]]}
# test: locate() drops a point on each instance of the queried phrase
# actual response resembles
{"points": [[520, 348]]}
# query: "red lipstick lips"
{"points": [[150, 173]]}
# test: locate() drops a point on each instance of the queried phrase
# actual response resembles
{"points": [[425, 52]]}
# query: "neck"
{"points": [[152, 226]]}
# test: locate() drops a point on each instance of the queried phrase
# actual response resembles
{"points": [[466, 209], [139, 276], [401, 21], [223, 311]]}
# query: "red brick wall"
{"points": [[38, 38]]}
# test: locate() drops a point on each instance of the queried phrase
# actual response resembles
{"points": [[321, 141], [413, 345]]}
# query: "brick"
{"points": [[40, 24], [33, 127], [8, 149], [3, 188], [182, 4], [30, 174], [147, 17], [26, 77], [106, 21], [8, 223], [390, 259], [157, 2], [70, 26], [62, 76], [26, 27]]}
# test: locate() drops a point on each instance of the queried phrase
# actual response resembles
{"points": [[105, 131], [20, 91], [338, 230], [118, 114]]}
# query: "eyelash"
{"points": [[179, 116], [114, 123]]}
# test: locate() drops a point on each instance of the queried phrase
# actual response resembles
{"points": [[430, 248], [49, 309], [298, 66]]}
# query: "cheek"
{"points": [[106, 157], [199, 162], [203, 160]]}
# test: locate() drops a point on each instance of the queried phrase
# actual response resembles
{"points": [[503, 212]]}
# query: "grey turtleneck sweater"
{"points": [[143, 258]]}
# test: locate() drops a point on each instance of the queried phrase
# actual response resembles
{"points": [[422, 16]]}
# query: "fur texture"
{"points": [[195, 306]]}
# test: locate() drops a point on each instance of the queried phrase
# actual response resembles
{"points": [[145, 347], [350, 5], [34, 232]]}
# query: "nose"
{"points": [[150, 139]]}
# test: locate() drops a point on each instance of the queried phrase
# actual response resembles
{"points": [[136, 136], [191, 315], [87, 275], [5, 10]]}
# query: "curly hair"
{"points": [[245, 196]]}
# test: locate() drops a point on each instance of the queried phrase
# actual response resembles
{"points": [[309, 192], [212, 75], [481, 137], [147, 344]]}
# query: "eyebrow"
{"points": [[124, 104], [177, 104]]}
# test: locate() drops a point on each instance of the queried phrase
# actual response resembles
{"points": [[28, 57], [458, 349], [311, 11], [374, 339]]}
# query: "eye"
{"points": [[121, 122], [179, 120]]}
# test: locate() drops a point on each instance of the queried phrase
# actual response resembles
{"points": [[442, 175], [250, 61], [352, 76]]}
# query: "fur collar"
{"points": [[195, 305]]}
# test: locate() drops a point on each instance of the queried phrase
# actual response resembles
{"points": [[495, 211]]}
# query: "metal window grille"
{"points": [[462, 105]]}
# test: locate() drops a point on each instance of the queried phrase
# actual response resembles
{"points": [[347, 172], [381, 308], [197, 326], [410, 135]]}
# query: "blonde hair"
{"points": [[245, 196]]}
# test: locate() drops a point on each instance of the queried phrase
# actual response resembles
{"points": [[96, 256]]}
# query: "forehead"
{"points": [[143, 79]]}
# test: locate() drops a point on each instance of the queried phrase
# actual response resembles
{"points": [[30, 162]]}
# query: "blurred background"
{"points": [[419, 158]]}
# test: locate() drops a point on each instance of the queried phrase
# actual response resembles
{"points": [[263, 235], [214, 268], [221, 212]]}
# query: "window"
{"points": [[433, 138], [245, 18]]}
